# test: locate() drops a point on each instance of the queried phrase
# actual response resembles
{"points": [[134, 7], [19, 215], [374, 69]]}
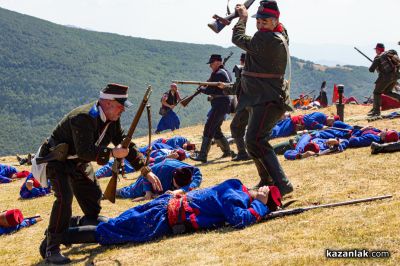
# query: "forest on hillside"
{"points": [[48, 69]]}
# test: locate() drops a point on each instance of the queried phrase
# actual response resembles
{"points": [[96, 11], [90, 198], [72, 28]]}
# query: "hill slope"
{"points": [[47, 69], [292, 240]]}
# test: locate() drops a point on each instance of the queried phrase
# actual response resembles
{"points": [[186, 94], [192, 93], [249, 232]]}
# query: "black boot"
{"points": [[205, 148], [274, 169], [376, 108], [385, 148], [242, 153], [224, 145], [265, 178], [53, 254]]}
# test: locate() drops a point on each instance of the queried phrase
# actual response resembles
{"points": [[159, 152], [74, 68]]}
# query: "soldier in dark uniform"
{"points": [[263, 92], [87, 130], [169, 119], [220, 106], [239, 121], [386, 81]]}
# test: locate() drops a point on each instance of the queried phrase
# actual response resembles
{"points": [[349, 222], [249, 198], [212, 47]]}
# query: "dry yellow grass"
{"points": [[292, 240]]}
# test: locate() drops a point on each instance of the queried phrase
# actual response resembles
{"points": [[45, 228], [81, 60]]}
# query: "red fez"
{"points": [[163, 140], [190, 147], [336, 117], [311, 147], [11, 218], [274, 198], [182, 155], [182, 176], [391, 136], [23, 174]]}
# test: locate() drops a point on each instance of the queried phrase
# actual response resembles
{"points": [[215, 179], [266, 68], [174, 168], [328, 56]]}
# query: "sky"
{"points": [[320, 30]]}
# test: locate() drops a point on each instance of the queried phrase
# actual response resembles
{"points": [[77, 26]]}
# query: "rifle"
{"points": [[201, 83], [221, 22], [363, 54], [281, 213], [312, 131], [111, 189], [187, 99]]}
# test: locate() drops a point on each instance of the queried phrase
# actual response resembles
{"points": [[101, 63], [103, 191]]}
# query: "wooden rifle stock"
{"points": [[111, 190], [281, 213], [221, 22], [186, 100], [201, 83]]}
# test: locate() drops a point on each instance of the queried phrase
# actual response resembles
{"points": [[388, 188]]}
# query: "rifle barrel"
{"points": [[363, 54], [328, 205], [200, 83]]}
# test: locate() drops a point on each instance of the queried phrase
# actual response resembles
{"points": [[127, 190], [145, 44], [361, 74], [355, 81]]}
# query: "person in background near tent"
{"points": [[220, 106], [169, 119], [387, 78], [322, 97], [264, 93]]}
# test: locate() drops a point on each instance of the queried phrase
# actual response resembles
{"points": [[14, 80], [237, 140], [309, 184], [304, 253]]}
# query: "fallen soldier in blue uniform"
{"points": [[156, 156], [175, 176], [13, 220], [175, 142], [365, 136], [227, 203], [9, 173], [31, 188], [311, 146], [289, 126]]}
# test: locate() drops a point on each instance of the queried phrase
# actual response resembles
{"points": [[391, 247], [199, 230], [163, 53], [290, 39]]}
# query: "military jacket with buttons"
{"points": [[82, 127], [265, 53]]}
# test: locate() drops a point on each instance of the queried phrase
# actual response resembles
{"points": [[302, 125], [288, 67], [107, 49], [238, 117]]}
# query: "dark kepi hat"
{"points": [[379, 46], [117, 92], [214, 57], [267, 9], [242, 56], [182, 176]]}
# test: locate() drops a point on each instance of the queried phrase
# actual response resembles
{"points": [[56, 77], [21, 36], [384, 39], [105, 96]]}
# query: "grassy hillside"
{"points": [[294, 240], [47, 69]]}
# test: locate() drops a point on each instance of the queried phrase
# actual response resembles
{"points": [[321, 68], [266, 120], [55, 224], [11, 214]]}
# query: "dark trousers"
{"points": [[69, 179], [386, 86], [212, 128], [239, 123], [262, 118]]}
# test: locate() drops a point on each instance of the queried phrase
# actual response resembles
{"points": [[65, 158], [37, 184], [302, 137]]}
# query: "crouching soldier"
{"points": [[227, 203], [176, 178]]}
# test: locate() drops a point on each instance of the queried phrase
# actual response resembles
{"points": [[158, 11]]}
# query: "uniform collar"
{"points": [[102, 114]]}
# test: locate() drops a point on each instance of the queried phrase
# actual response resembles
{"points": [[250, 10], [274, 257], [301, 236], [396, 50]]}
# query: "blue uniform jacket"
{"points": [[334, 133], [25, 223], [6, 172], [315, 120], [222, 101], [176, 142], [228, 202], [35, 191], [307, 138], [163, 171], [364, 138]]}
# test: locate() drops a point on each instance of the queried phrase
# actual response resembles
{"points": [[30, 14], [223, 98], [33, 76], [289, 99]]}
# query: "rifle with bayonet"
{"points": [[281, 213], [111, 189], [363, 54], [221, 22]]}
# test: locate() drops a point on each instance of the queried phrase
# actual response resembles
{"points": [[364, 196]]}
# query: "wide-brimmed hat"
{"points": [[117, 92], [214, 57], [267, 9]]}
